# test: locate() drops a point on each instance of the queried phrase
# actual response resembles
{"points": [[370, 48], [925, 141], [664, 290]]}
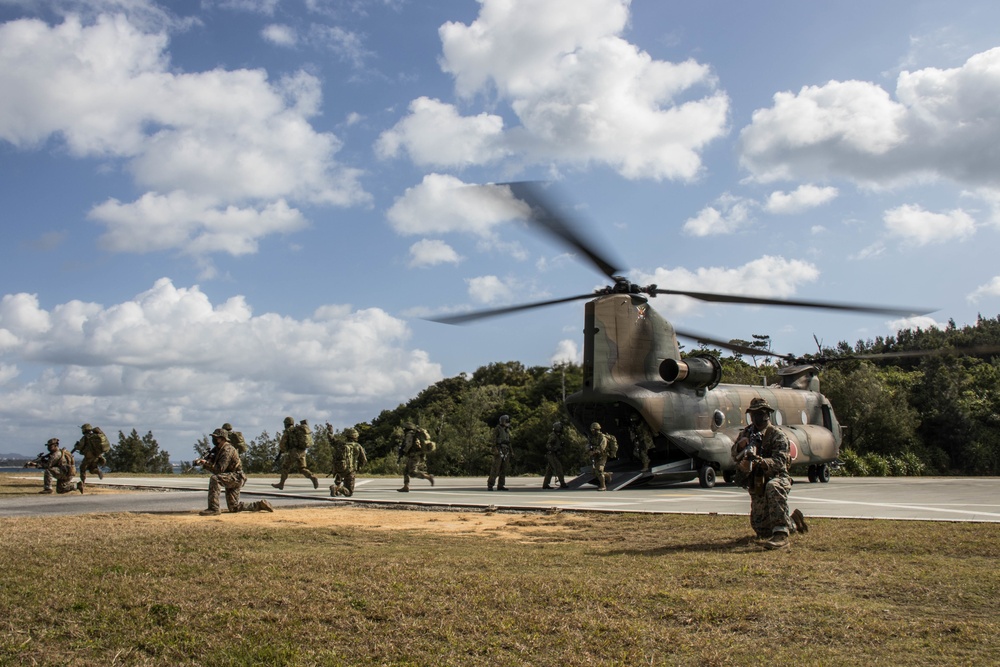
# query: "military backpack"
{"points": [[237, 440]]}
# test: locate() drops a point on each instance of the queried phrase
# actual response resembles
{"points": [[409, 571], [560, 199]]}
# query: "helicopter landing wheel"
{"points": [[823, 473], [706, 477], [728, 476], [813, 475]]}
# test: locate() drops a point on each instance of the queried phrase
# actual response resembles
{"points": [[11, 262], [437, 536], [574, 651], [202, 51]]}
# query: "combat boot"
{"points": [[405, 489], [563, 485], [777, 541], [79, 487], [46, 491], [210, 512], [800, 522], [100, 474], [264, 506], [546, 486], [280, 486], [430, 478], [315, 481], [333, 491], [502, 488]]}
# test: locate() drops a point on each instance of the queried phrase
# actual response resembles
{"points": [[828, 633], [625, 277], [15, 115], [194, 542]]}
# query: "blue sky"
{"points": [[235, 210]]}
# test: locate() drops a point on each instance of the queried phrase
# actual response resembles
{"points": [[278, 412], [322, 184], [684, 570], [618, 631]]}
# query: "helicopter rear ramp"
{"points": [[619, 480]]}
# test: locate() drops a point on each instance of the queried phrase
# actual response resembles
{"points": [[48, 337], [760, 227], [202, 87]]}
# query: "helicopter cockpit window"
{"points": [[776, 418], [718, 419], [805, 417]]}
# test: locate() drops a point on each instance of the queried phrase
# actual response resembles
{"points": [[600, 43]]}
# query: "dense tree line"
{"points": [[936, 414]]}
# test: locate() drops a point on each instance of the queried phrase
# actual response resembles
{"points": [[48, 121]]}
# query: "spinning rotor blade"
{"points": [[975, 351], [496, 312], [767, 301], [742, 349], [545, 215]]}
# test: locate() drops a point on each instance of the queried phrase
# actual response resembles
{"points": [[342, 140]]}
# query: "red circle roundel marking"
{"points": [[793, 450]]}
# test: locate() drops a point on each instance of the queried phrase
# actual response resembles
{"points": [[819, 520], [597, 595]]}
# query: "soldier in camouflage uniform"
{"points": [[292, 447], [553, 452], [763, 469], [501, 455], [227, 472], [59, 466], [92, 447], [412, 449], [597, 449], [348, 457], [642, 441]]}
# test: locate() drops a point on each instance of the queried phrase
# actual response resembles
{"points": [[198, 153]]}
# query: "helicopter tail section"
{"points": [[625, 341]]}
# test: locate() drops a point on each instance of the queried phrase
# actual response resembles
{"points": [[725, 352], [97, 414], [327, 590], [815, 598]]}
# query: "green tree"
{"points": [[140, 455], [260, 453]]}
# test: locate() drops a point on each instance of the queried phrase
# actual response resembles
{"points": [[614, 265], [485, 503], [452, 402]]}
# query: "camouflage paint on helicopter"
{"points": [[632, 363]]}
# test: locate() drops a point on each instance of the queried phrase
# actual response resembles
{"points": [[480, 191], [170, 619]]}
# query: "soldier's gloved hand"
{"points": [[761, 464], [744, 466]]}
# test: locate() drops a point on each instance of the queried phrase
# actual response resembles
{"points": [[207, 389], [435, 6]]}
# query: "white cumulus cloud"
{"points": [[801, 199], [990, 289], [728, 215], [579, 92], [170, 359], [942, 124], [918, 226], [231, 143], [430, 252]]}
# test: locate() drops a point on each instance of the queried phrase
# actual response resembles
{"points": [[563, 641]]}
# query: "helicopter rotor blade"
{"points": [[769, 301], [974, 351], [733, 347], [496, 312], [545, 216]]}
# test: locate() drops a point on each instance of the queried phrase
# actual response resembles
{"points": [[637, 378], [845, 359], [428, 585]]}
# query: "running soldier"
{"points": [[597, 449], [414, 447], [227, 472], [296, 439], [348, 457], [93, 445]]}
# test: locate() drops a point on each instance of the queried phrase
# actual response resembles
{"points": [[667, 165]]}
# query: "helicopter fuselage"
{"points": [[632, 366]]}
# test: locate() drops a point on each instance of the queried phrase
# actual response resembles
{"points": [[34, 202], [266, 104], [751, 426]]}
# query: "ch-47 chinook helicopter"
{"points": [[634, 374]]}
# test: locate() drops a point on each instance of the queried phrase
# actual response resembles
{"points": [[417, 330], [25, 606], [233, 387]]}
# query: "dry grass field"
{"points": [[363, 586]]}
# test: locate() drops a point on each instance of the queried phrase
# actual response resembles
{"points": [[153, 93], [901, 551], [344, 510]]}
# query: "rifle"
{"points": [[750, 453], [40, 461], [277, 459]]}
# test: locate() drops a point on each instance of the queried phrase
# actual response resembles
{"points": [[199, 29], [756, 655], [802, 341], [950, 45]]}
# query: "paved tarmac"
{"points": [[902, 498]]}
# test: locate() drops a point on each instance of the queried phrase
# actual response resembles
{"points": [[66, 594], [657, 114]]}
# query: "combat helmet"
{"points": [[86, 427], [595, 427], [227, 427], [52, 441], [289, 421], [557, 426], [351, 433]]}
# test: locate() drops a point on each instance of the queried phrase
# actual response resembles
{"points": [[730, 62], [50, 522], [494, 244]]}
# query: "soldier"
{"points": [[236, 438], [597, 449], [642, 441], [763, 469], [352, 459], [416, 443], [553, 451], [93, 444], [501, 455], [58, 465], [227, 471], [341, 461], [292, 449]]}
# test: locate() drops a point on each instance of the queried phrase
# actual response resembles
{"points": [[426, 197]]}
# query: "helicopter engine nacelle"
{"points": [[694, 372]]}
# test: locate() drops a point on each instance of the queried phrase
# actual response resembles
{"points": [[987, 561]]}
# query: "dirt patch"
{"points": [[518, 526]]}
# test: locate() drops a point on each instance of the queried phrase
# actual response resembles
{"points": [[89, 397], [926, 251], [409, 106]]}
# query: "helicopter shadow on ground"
{"points": [[744, 544]]}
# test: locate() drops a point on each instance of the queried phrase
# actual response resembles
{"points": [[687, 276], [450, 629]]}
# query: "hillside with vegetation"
{"points": [[934, 414]]}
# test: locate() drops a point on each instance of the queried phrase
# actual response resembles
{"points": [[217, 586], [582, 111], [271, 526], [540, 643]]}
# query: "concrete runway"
{"points": [[901, 498]]}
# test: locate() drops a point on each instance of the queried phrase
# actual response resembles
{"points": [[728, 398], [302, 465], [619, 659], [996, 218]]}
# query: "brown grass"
{"points": [[344, 585]]}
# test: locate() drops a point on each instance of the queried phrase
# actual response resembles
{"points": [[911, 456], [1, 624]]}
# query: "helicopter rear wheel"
{"points": [[728, 476], [813, 475], [706, 477], [823, 473]]}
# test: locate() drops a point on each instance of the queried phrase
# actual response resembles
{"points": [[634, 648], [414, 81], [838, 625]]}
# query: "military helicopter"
{"points": [[634, 374]]}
